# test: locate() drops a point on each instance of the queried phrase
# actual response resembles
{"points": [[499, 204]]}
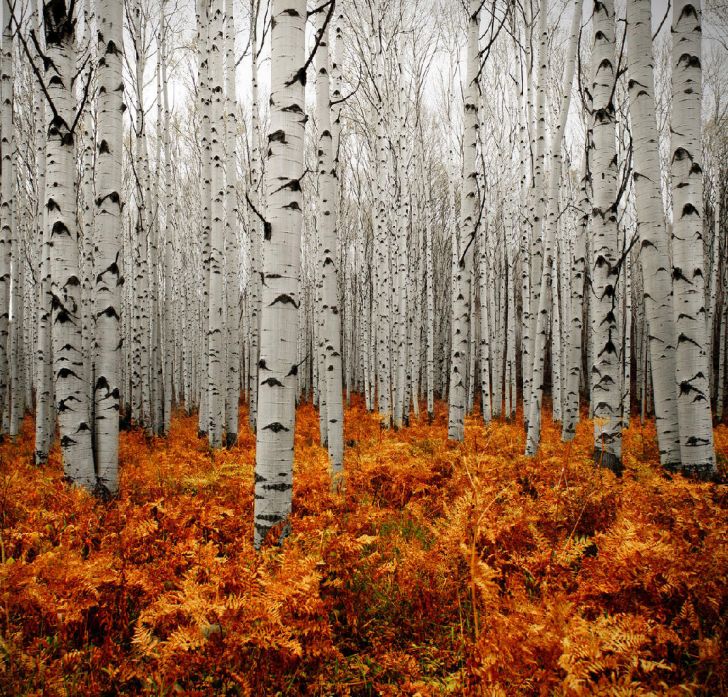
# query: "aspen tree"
{"points": [[605, 267], [71, 395], [206, 192], [652, 230], [278, 365], [6, 186], [697, 454], [329, 259], [550, 228], [216, 270], [462, 243], [107, 251], [170, 345], [232, 375], [255, 228], [44, 417]]}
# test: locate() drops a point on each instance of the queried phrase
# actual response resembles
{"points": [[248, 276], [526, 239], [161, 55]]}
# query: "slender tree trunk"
{"points": [[605, 366], [462, 243], [6, 196], [108, 243], [331, 329], [71, 394], [545, 262], [216, 268], [255, 228], [652, 231], [44, 417], [231, 237], [693, 399], [278, 364]]}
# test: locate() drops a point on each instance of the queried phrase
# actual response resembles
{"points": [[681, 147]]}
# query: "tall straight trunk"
{"points": [[576, 309], [430, 300], [71, 394], [206, 192], [382, 266], [511, 339], [652, 230], [216, 264], [485, 389], [278, 364], [232, 378], [605, 366], [462, 242], [697, 453], [108, 243], [545, 262], [331, 328], [44, 416], [170, 306], [6, 195], [538, 268], [255, 228], [15, 345]]}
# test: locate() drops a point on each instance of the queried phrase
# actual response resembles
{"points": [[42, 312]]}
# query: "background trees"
{"points": [[443, 195]]}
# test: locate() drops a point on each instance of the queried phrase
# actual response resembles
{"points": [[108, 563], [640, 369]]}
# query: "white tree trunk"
{"points": [[71, 393], [605, 366], [6, 195], [108, 251], [232, 379], [463, 241], [693, 401], [331, 380], [44, 417], [216, 264], [654, 244], [281, 263], [545, 263]]}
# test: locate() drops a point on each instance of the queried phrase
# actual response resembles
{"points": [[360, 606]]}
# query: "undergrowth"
{"points": [[440, 569]]}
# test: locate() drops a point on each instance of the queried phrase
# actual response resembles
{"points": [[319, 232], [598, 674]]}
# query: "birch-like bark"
{"points": [[6, 197], [430, 299], [44, 416], [545, 263], [605, 367], [255, 227], [278, 365], [485, 390], [232, 379], [206, 193], [71, 394], [697, 453], [462, 242], [216, 264], [108, 250], [576, 317], [652, 230], [170, 305], [331, 326]]}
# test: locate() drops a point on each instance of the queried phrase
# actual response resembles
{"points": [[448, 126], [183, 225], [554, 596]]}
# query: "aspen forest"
{"points": [[363, 347]]}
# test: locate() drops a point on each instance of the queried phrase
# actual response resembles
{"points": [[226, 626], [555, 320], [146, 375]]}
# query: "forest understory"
{"points": [[441, 568]]}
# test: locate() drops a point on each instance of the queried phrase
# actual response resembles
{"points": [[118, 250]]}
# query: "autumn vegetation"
{"points": [[441, 568]]}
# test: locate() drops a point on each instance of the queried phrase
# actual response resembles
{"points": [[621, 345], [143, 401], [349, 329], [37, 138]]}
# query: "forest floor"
{"points": [[441, 569]]}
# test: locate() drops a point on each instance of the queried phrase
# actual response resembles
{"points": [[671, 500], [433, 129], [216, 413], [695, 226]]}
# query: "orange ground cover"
{"points": [[442, 569]]}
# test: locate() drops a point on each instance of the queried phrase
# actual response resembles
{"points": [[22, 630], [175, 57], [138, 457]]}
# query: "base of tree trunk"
{"points": [[101, 492], [125, 421], [231, 439], [608, 461], [700, 473], [201, 434]]}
